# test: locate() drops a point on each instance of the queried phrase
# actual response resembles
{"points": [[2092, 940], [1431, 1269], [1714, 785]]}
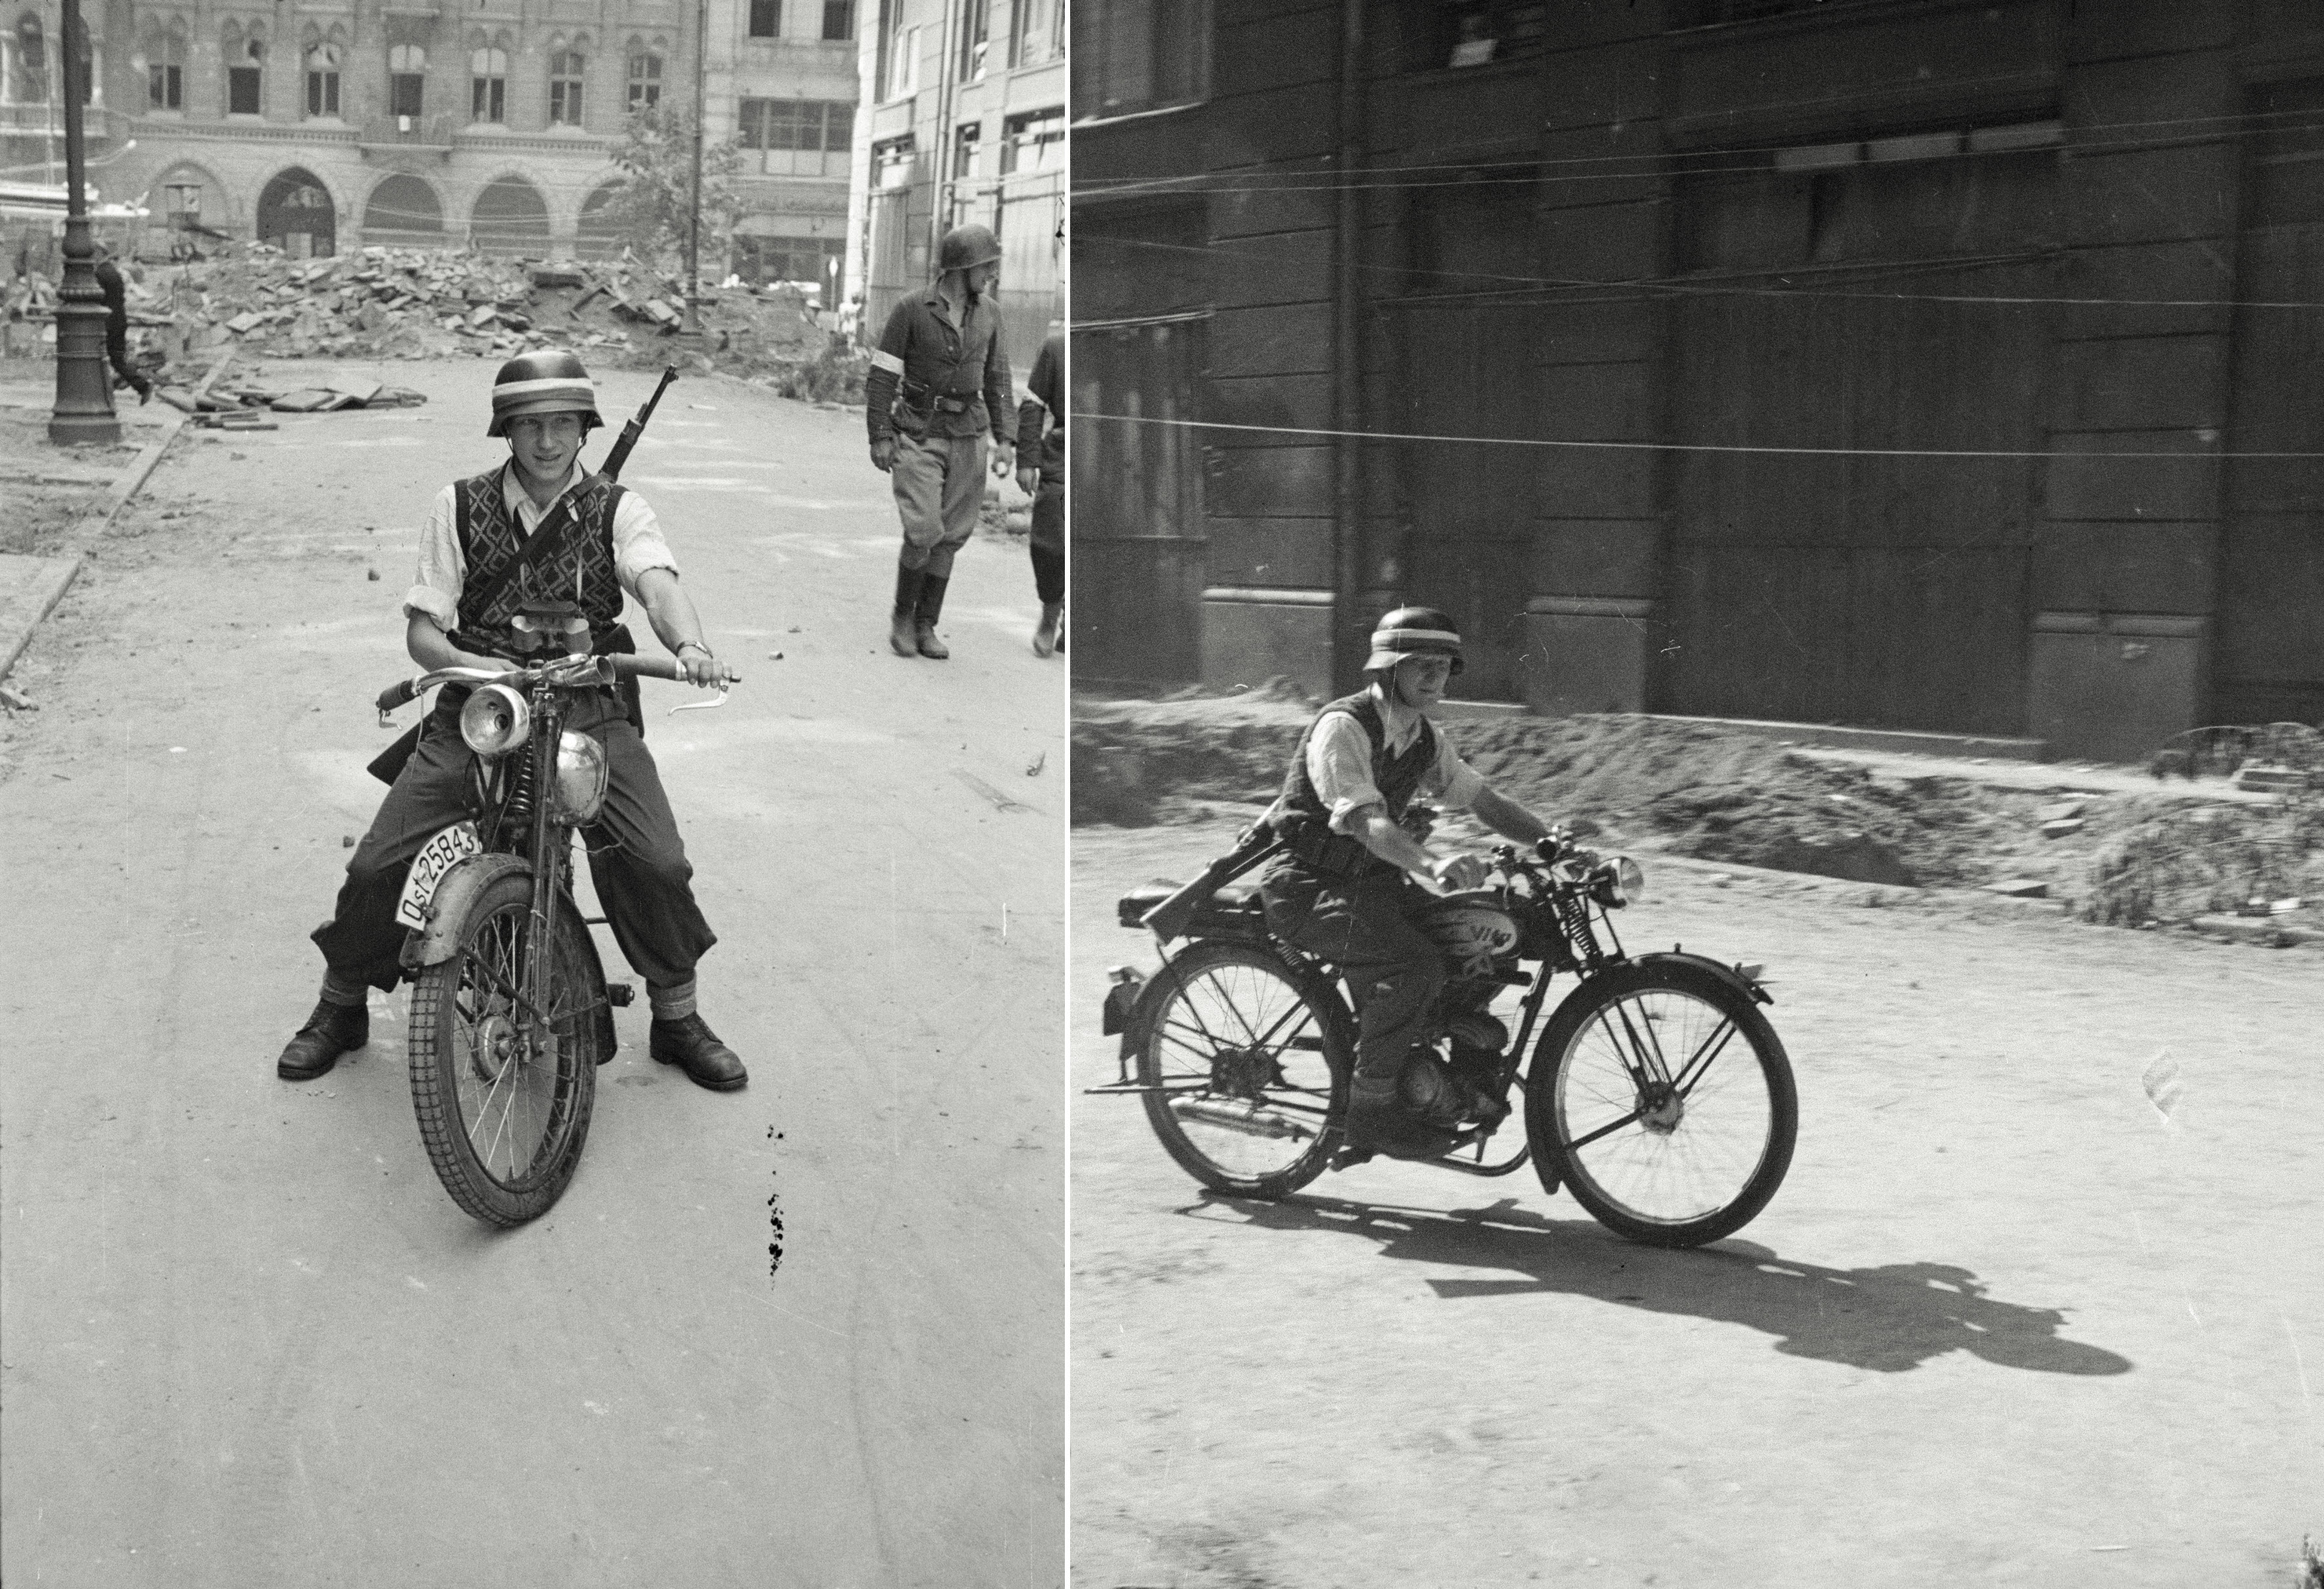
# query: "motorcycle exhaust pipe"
{"points": [[1247, 1118]]}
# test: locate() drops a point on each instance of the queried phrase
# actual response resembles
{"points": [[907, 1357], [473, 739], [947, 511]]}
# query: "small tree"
{"points": [[655, 198]]}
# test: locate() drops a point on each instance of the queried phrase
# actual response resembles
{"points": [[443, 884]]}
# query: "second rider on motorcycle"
{"points": [[1345, 886]]}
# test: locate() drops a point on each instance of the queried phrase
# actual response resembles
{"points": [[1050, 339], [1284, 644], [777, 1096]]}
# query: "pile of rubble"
{"points": [[242, 405], [378, 303]]}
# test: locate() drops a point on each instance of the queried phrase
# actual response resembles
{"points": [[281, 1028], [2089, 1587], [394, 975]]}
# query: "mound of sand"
{"points": [[1687, 788]]}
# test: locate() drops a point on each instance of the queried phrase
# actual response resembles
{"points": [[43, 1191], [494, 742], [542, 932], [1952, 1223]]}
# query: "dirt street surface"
{"points": [[249, 1341], [2004, 1324]]}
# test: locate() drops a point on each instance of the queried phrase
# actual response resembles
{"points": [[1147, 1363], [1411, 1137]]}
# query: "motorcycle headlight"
{"points": [[495, 721], [1629, 876], [580, 777]]}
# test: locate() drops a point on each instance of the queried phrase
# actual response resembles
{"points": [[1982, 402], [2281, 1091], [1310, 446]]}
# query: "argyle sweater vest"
{"points": [[578, 569]]}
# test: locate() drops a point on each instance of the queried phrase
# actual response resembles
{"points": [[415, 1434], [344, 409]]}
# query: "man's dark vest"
{"points": [[1303, 818], [489, 539]]}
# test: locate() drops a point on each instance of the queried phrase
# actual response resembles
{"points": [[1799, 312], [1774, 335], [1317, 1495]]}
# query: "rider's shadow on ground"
{"points": [[1888, 1318]]}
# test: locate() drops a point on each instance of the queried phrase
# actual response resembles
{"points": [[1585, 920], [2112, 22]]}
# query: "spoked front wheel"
{"points": [[1662, 1099], [1246, 1061], [505, 1074]]}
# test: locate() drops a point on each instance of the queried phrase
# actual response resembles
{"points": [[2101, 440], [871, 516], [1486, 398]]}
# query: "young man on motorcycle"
{"points": [[1343, 886], [460, 614]]}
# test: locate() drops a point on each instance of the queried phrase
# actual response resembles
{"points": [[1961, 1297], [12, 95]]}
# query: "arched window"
{"points": [[407, 77], [645, 77], [165, 68], [599, 236], [403, 209], [488, 84], [323, 78], [565, 85], [510, 217], [245, 67], [26, 79]]}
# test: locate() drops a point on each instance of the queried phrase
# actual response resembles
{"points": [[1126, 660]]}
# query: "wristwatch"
{"points": [[683, 646]]}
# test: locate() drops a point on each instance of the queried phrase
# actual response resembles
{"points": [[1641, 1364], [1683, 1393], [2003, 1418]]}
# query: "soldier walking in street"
{"points": [[939, 386], [477, 557], [1041, 474]]}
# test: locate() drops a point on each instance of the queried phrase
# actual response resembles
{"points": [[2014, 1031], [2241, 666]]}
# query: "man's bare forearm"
{"points": [[669, 610], [1507, 818]]}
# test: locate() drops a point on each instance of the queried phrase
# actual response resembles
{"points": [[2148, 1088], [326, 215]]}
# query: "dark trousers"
{"points": [[116, 349], [1363, 928], [637, 859], [1048, 575]]}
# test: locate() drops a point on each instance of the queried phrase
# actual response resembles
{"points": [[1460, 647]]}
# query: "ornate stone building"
{"points": [[322, 126]]}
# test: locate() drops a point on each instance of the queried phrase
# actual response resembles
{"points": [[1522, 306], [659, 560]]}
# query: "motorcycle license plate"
{"points": [[436, 857]]}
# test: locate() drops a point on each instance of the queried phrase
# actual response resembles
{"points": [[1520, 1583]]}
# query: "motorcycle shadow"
{"points": [[1888, 1318]]}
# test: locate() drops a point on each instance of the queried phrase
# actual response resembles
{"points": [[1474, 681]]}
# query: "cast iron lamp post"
{"points": [[84, 410]]}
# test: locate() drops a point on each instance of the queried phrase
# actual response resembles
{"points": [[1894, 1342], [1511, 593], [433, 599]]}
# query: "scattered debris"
{"points": [[1039, 762], [2061, 827], [15, 700], [2020, 889]]}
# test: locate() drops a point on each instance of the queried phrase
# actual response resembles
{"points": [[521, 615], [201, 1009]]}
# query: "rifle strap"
{"points": [[543, 539]]}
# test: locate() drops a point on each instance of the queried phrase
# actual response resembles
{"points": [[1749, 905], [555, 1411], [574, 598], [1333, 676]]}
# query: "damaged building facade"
{"points": [[323, 127], [1910, 365], [965, 120]]}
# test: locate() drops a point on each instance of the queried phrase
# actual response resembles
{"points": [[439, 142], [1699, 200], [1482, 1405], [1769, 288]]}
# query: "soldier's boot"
{"points": [[903, 637], [932, 594], [1379, 1121]]}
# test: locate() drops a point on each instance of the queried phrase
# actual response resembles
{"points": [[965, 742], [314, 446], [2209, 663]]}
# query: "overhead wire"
{"points": [[1675, 446], [1648, 288]]}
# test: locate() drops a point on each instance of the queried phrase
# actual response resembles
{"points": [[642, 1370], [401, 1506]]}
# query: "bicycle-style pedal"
{"points": [[1348, 1158], [620, 994]]}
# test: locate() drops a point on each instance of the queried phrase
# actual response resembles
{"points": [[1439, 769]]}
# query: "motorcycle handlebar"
{"points": [[619, 666]]}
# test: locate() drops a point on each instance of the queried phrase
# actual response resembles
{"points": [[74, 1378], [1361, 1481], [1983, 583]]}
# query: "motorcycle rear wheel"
{"points": [[1669, 1167], [504, 1106], [1252, 1063]]}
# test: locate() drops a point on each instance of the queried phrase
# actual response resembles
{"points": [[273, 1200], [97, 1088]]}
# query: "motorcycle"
{"points": [[1638, 1098], [511, 1013]]}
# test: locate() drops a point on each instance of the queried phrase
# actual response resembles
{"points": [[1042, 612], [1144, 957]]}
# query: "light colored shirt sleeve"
{"points": [[1340, 766], [638, 543], [442, 572]]}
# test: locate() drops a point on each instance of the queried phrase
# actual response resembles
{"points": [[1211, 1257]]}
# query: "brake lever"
{"points": [[702, 705]]}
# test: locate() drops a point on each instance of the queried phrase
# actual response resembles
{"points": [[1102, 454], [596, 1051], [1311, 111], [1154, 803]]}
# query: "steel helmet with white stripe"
{"points": [[1413, 631], [548, 383]]}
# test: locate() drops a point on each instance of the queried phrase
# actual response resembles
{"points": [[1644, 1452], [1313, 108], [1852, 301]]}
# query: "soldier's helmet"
{"points": [[549, 382], [964, 248], [1413, 631]]}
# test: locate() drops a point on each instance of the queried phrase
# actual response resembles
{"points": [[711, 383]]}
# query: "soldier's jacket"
{"points": [[1039, 446], [931, 377]]}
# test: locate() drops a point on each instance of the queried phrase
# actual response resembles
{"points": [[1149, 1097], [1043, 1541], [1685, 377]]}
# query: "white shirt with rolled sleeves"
{"points": [[1340, 766], [443, 572]]}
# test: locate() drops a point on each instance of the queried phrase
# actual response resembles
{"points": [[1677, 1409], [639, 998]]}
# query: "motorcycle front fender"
{"points": [[1731, 975], [447, 908]]}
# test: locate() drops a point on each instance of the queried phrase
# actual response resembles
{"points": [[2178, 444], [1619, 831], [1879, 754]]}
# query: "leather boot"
{"points": [[902, 636], [1378, 1122], [932, 593], [334, 1029], [1045, 639], [688, 1044]]}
